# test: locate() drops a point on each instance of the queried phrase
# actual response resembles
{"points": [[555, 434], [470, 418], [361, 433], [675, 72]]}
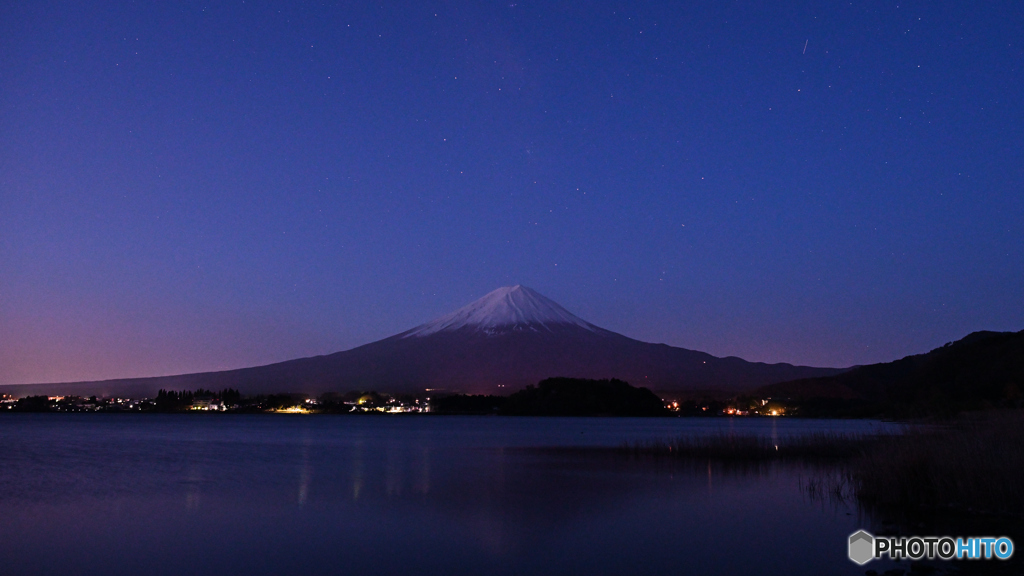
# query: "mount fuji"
{"points": [[498, 344], [509, 309]]}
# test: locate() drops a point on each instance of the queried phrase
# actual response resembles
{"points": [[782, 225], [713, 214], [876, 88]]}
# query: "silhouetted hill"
{"points": [[581, 397], [982, 370]]}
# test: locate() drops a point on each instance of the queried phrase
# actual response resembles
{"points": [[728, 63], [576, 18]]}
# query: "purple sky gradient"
{"points": [[187, 188]]}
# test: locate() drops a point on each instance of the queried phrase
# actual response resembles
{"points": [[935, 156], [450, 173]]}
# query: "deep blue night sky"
{"points": [[189, 187]]}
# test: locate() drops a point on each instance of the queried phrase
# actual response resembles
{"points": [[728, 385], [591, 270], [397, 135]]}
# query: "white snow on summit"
{"points": [[510, 308]]}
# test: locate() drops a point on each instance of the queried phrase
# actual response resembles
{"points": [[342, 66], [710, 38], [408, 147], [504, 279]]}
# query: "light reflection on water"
{"points": [[125, 494]]}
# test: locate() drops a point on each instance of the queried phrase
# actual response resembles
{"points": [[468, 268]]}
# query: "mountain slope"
{"points": [[982, 369], [496, 345]]}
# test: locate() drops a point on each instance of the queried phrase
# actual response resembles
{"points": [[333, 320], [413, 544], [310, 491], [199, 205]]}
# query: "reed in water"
{"points": [[725, 446]]}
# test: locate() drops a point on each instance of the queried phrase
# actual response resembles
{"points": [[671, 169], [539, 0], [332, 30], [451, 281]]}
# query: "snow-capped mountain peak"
{"points": [[510, 308]]}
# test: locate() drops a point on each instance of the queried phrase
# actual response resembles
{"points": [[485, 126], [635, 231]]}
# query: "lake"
{"points": [[276, 494]]}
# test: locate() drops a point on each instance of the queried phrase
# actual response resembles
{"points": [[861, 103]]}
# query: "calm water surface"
{"points": [[230, 494]]}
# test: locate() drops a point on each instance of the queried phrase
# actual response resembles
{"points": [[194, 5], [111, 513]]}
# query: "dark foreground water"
{"points": [[191, 494]]}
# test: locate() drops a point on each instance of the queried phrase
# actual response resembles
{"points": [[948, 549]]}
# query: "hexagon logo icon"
{"points": [[861, 547]]}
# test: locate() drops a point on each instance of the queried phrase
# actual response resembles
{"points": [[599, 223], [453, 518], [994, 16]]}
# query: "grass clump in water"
{"points": [[748, 447], [974, 465]]}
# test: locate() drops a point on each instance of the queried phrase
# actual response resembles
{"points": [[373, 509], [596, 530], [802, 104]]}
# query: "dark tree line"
{"points": [[175, 401], [35, 404], [560, 397], [582, 397]]}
